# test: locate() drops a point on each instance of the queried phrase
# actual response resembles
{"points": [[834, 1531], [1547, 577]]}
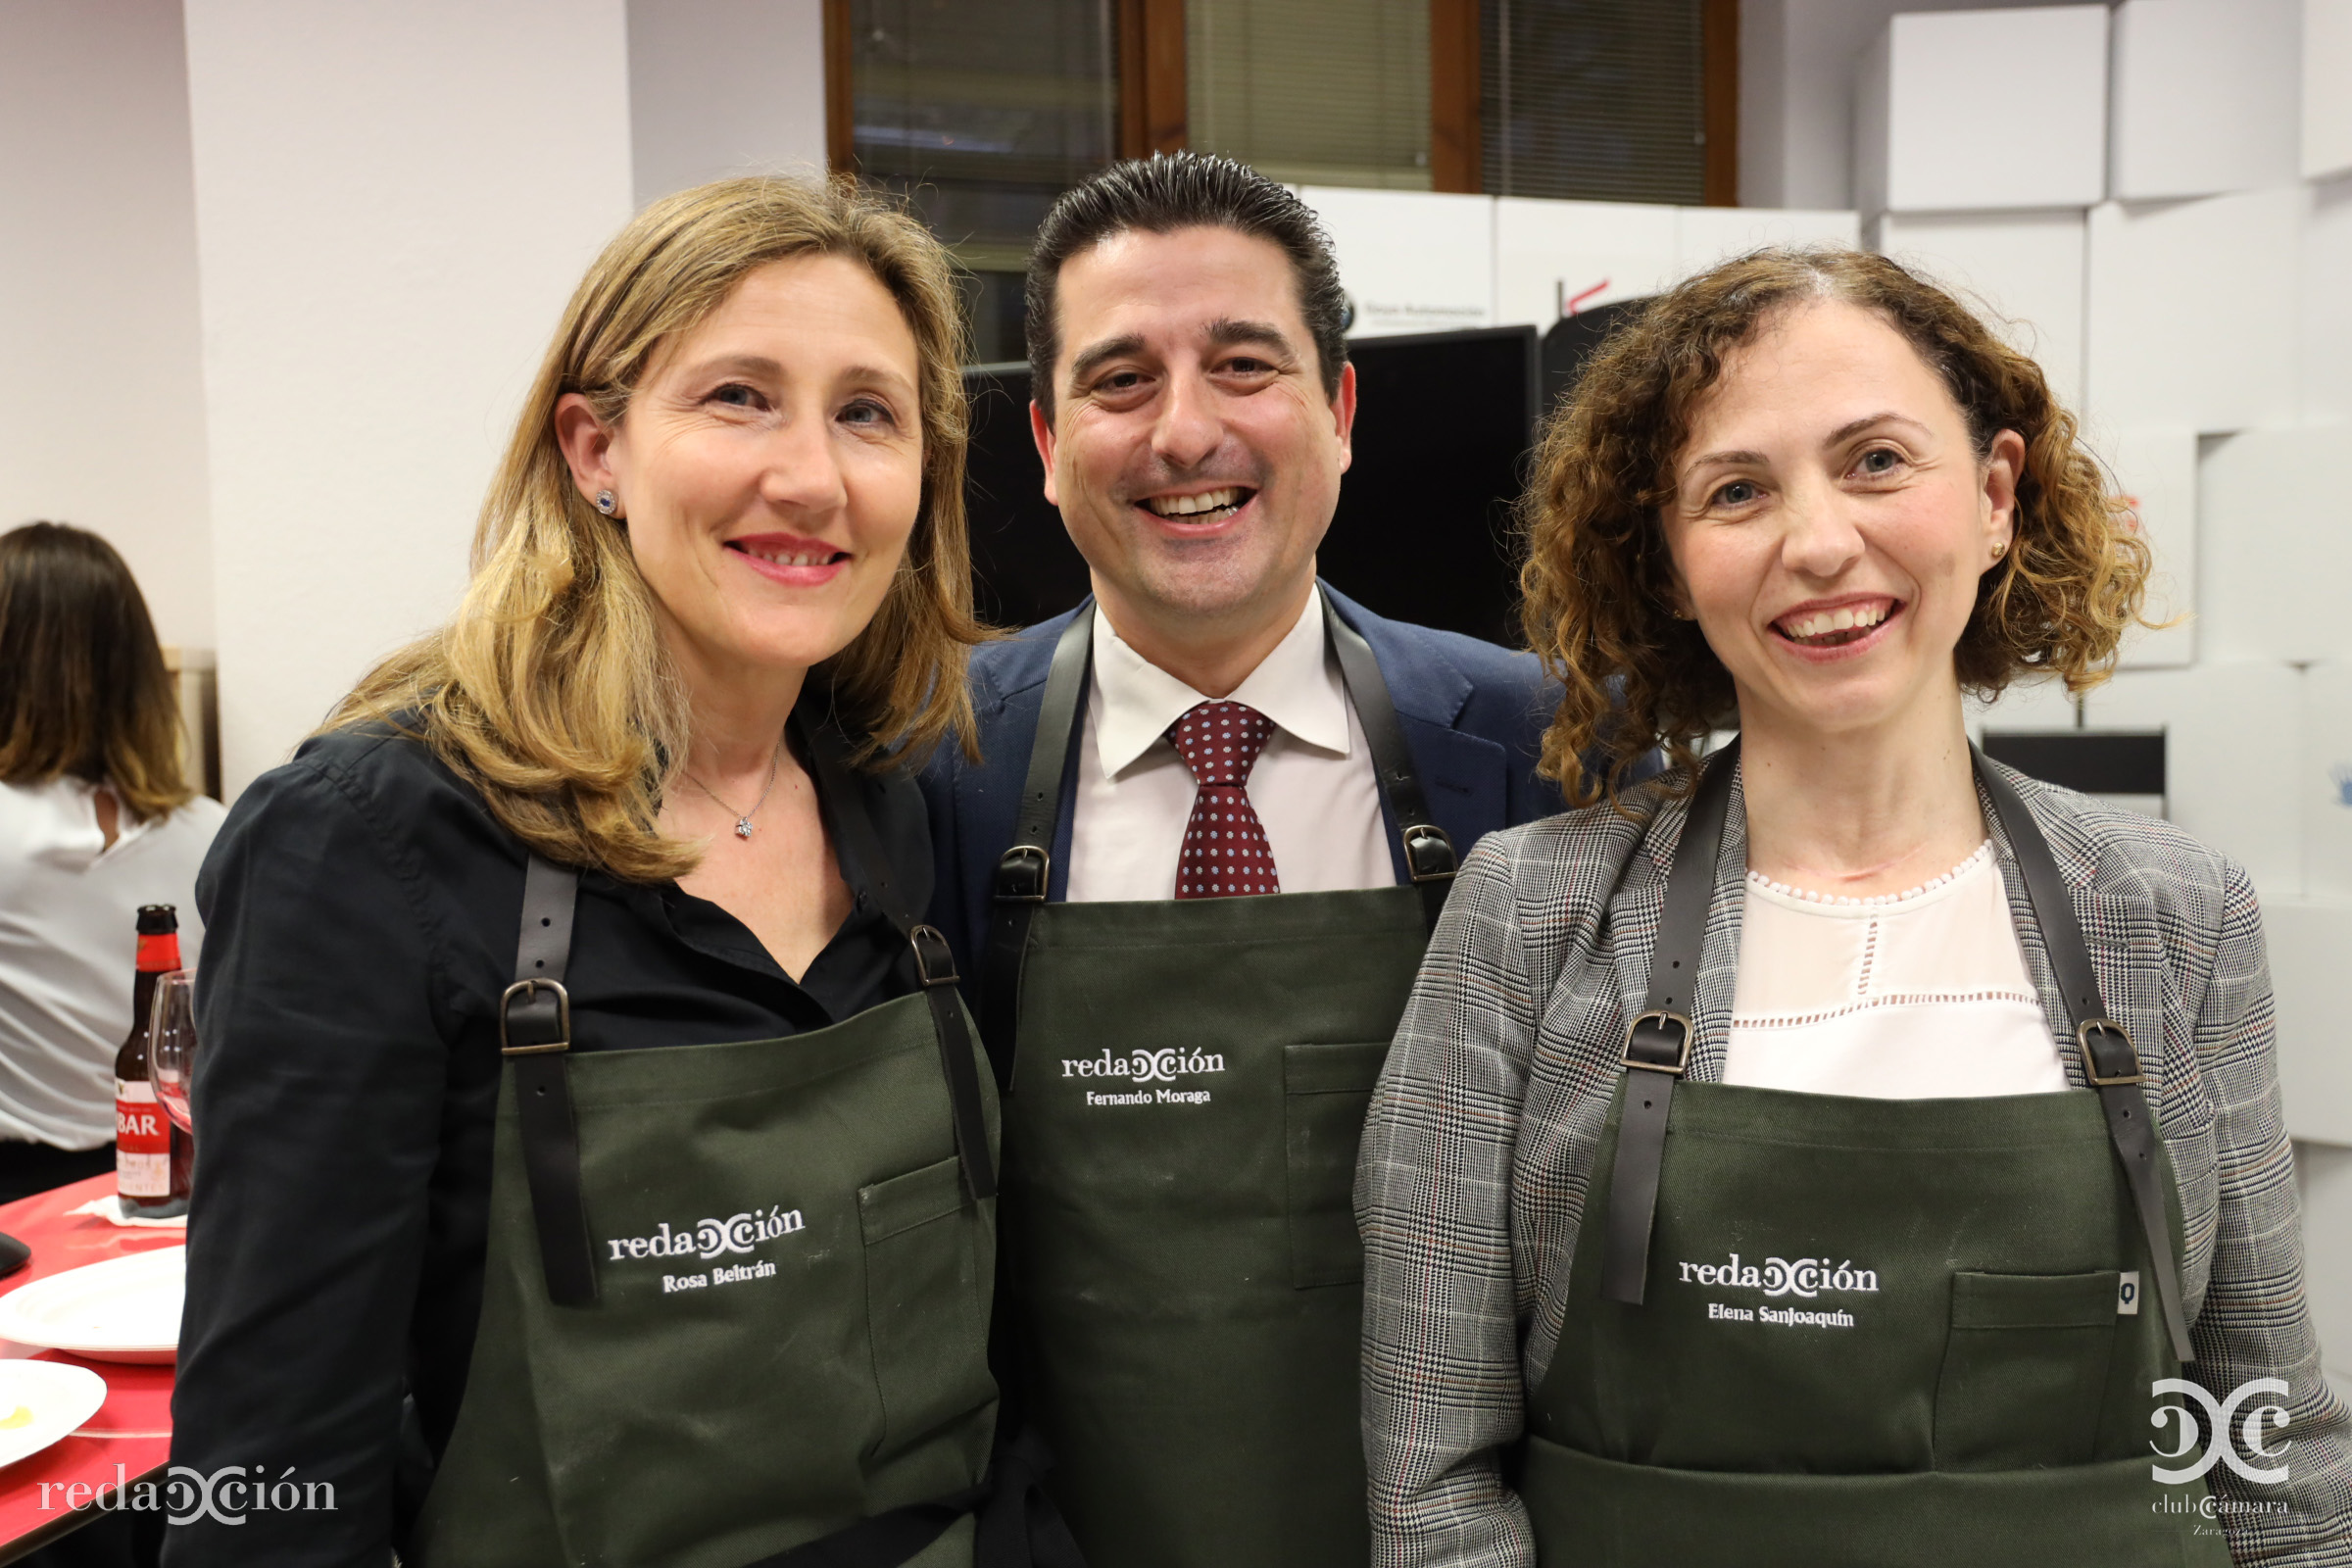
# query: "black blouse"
{"points": [[360, 909]]}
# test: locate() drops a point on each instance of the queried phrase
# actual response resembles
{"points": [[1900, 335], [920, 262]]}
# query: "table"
{"points": [[130, 1435]]}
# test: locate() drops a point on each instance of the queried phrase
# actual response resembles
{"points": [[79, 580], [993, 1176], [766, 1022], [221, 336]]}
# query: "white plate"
{"points": [[50, 1399], [124, 1309]]}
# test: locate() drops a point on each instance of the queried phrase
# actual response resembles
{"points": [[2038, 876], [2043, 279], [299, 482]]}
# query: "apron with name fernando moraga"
{"points": [[735, 1308], [1817, 1329], [1182, 1117]]}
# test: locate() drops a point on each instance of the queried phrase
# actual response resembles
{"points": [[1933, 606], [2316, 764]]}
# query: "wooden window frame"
{"points": [[1456, 138], [1719, 83], [841, 117], [1153, 102]]}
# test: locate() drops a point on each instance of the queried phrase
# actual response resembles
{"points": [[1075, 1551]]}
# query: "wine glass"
{"points": [[172, 1045]]}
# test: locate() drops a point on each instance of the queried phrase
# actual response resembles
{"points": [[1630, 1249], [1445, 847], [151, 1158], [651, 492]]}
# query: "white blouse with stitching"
{"points": [[1914, 996]]}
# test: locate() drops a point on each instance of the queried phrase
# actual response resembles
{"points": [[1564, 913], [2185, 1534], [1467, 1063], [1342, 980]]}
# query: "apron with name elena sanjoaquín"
{"points": [[1813, 1331]]}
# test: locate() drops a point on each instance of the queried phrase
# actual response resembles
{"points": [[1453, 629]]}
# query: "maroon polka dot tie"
{"points": [[1225, 849]]}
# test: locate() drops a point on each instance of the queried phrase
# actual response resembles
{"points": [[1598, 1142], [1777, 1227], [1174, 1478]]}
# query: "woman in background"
{"points": [[1840, 1153], [594, 1155], [96, 818]]}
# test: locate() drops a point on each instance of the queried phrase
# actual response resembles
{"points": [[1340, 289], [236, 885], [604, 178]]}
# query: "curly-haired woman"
{"points": [[1827, 1153]]}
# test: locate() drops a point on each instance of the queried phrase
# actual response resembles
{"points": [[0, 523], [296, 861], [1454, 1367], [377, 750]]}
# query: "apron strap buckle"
{"points": [[2108, 1054], [535, 1018], [1658, 1041], [1023, 875], [1429, 852], [934, 959]]}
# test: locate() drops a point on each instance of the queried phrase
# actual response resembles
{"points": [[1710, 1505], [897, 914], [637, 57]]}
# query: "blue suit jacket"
{"points": [[1473, 714]]}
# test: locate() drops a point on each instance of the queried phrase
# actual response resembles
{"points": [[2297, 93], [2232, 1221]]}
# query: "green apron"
{"points": [[1808, 1330], [1182, 1120], [737, 1296]]}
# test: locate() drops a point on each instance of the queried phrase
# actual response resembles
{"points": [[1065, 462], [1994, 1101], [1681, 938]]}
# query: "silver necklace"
{"points": [[743, 819]]}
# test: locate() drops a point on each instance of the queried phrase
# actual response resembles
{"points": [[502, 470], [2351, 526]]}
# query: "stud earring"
{"points": [[1998, 551], [606, 501]]}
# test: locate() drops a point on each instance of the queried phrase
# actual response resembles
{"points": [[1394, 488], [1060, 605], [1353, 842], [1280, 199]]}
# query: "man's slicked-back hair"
{"points": [[1167, 192]]}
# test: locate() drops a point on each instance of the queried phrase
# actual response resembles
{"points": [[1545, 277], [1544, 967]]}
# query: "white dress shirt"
{"points": [[1917, 995], [1313, 788], [69, 939]]}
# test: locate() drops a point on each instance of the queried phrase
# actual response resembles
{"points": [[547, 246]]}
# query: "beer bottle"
{"points": [[151, 1155]]}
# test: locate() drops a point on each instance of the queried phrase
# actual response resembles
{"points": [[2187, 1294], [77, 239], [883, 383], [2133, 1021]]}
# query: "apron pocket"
{"points": [[1327, 1093], [2024, 1369], [924, 1310]]}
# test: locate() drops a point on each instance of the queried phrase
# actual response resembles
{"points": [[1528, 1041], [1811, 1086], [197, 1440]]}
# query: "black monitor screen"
{"points": [[1024, 567], [1443, 422], [1423, 531]]}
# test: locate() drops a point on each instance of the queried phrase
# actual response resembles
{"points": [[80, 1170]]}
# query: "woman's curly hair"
{"points": [[1598, 583]]}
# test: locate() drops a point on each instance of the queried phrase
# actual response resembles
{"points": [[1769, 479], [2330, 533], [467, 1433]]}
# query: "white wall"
{"points": [[393, 204], [718, 87], [101, 386]]}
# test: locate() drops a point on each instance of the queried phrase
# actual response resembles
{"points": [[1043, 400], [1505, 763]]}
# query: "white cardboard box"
{"points": [[2206, 97], [2155, 467], [2229, 742], [2323, 779], [2324, 1174], [2276, 557], [2310, 945], [1413, 260], [2192, 311], [2025, 269], [1705, 235], [1555, 259], [2327, 303], [1961, 111], [2028, 704], [2326, 104]]}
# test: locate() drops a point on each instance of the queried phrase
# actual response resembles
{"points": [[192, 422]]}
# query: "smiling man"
{"points": [[1192, 881]]}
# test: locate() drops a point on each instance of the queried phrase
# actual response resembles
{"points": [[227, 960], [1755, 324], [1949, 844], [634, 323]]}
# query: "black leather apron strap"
{"points": [[2110, 1060], [934, 962], [1658, 1042], [1025, 871], [534, 1033], [1429, 856]]}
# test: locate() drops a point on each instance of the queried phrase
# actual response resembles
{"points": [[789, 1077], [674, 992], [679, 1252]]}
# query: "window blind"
{"points": [[1317, 92], [1594, 100]]}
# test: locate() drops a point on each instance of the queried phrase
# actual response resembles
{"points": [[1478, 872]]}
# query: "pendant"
{"points": [[743, 827]]}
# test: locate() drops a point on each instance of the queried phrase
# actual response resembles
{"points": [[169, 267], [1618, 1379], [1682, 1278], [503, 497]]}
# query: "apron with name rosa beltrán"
{"points": [[736, 1304], [1182, 1117], [1813, 1331]]}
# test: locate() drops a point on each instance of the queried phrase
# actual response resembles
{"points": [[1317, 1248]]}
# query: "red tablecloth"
{"points": [[130, 1435]]}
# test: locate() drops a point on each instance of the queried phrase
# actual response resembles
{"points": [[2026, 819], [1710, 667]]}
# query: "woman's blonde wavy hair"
{"points": [[552, 690], [1598, 582]]}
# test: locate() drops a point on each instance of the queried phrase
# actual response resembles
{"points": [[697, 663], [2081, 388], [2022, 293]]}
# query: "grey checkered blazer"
{"points": [[1481, 1134]]}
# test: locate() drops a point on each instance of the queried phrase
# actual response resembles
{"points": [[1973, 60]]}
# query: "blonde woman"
{"points": [[595, 1165], [1839, 1154]]}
